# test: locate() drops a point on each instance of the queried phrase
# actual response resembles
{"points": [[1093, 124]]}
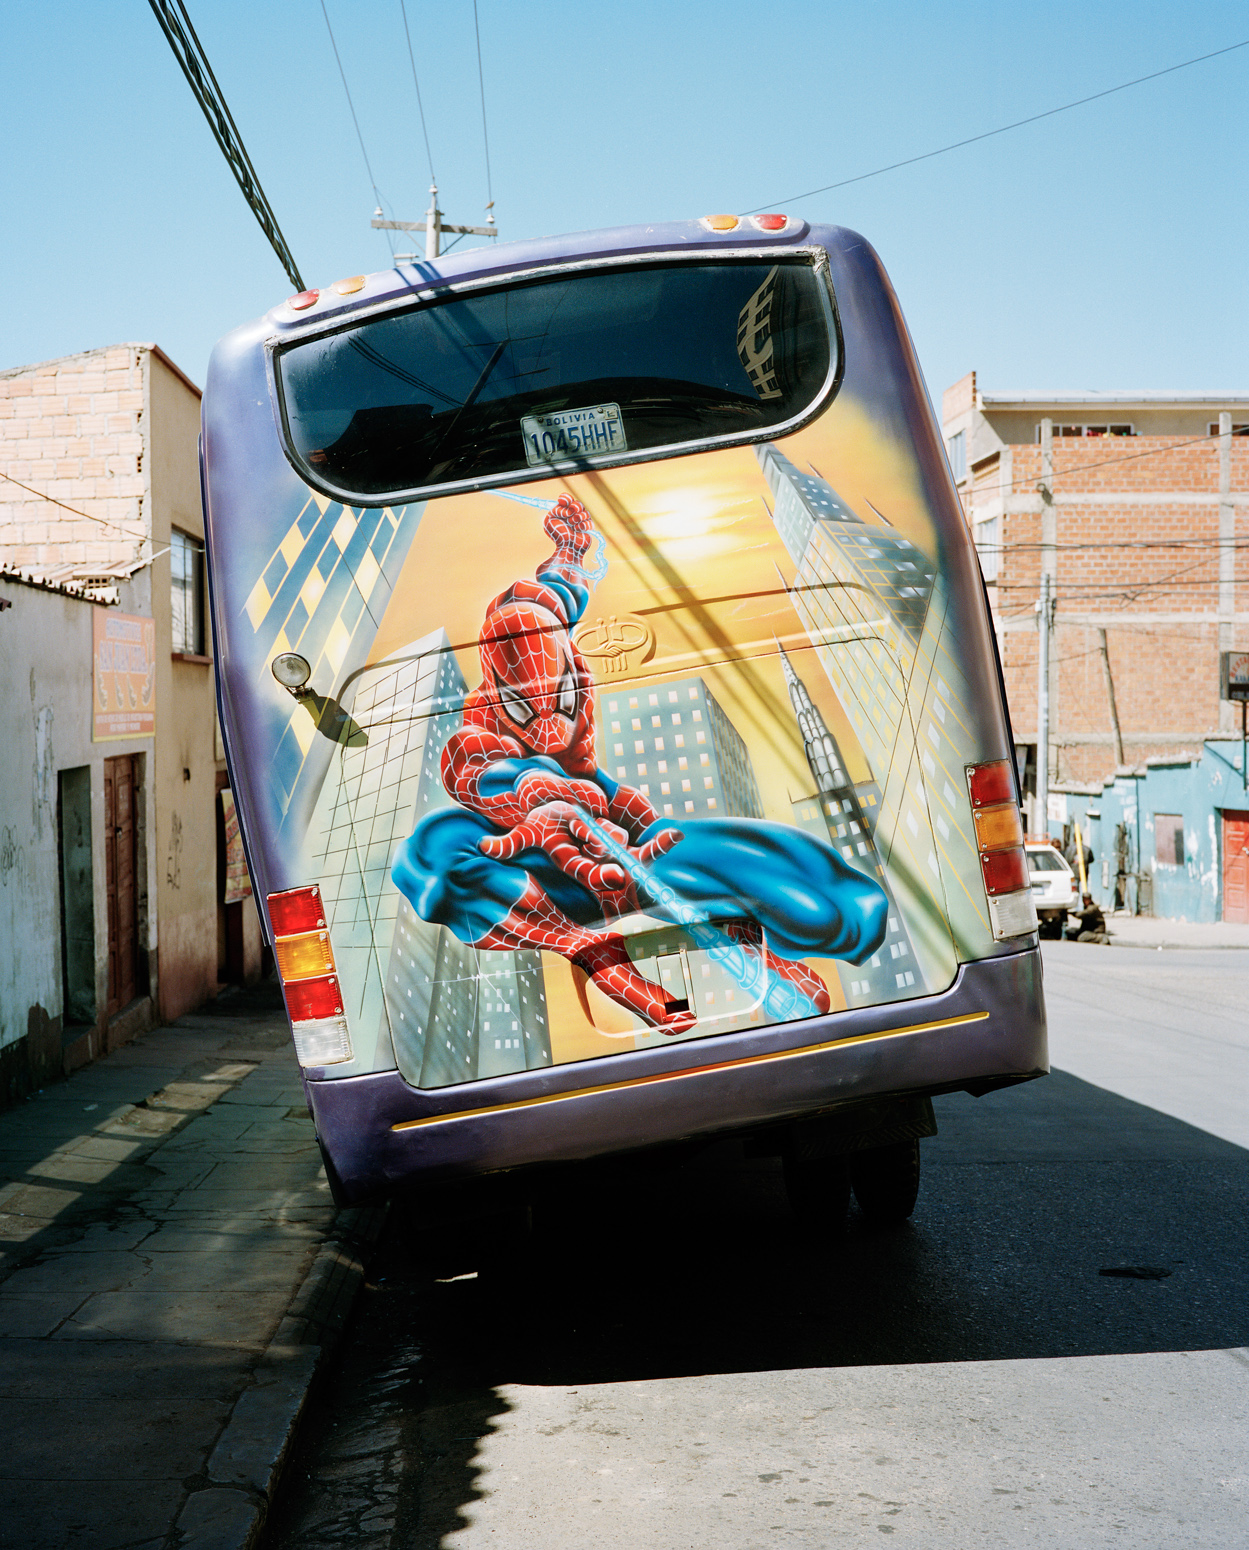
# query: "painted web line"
{"points": [[780, 998]]}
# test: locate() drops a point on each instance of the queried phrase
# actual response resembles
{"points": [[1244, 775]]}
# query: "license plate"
{"points": [[573, 433]]}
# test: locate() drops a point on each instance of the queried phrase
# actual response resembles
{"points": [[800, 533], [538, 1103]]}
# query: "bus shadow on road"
{"points": [[637, 1270], [648, 1268]]}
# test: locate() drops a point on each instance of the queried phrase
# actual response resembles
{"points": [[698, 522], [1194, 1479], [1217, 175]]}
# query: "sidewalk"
{"points": [[1145, 931], [173, 1270]]}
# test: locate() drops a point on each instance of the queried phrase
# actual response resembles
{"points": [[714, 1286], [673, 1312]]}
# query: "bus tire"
{"points": [[886, 1181], [818, 1189]]}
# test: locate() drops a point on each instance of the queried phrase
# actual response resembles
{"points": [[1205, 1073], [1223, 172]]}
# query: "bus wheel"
{"points": [[886, 1181], [818, 1190]]}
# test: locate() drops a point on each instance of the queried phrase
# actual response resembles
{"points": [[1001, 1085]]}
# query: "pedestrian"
{"points": [[1091, 923]]}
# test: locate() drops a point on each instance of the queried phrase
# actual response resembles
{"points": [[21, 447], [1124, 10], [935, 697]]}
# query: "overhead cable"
{"points": [[1004, 129], [420, 105], [481, 81], [140, 534], [189, 52]]}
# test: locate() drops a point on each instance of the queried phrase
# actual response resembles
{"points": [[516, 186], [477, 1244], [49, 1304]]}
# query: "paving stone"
{"points": [[119, 1439], [116, 1369], [218, 1519], [102, 1514], [103, 1271], [33, 1315], [240, 1318]]}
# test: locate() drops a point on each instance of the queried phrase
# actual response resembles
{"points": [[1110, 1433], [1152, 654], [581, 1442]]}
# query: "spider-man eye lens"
{"points": [[566, 698], [517, 708]]}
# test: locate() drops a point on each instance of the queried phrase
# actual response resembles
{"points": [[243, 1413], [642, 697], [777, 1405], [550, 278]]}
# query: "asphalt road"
{"points": [[672, 1360]]}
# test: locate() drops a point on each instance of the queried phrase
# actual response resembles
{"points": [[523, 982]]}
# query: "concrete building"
{"points": [[99, 498], [1136, 505]]}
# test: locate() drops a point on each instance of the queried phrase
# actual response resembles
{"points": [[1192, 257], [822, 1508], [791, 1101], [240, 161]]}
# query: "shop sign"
{"points": [[123, 676]]}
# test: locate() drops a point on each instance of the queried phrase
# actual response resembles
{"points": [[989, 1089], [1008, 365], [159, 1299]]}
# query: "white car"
{"points": [[1055, 887]]}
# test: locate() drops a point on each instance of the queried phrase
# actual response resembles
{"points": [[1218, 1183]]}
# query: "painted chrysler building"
{"points": [[847, 815]]}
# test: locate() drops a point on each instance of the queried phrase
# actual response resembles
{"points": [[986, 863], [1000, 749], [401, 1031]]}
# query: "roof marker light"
{"points": [[720, 222], [303, 300], [770, 222], [349, 287]]}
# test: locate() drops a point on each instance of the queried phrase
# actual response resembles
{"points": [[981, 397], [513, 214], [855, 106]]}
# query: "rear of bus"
{"points": [[612, 706]]}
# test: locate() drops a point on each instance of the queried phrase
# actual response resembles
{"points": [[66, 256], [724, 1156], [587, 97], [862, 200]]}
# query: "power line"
{"points": [[481, 81], [351, 105], [1080, 468], [189, 52], [90, 517], [1004, 129], [420, 105]]}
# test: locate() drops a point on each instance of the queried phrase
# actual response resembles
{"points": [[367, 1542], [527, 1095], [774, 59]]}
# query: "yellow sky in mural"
{"points": [[691, 551]]}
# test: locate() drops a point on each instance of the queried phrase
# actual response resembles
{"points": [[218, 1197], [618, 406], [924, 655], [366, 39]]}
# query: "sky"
{"points": [[1102, 248]]}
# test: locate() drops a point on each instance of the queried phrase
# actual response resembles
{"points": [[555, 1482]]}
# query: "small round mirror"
{"points": [[290, 669]]}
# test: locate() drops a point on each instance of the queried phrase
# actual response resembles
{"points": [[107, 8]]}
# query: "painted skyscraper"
{"points": [[679, 748], [847, 815], [875, 609]]}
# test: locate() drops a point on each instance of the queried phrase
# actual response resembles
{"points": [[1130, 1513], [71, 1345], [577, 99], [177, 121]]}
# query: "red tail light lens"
{"points": [[989, 783], [309, 1000], [1005, 871], [295, 910], [770, 222]]}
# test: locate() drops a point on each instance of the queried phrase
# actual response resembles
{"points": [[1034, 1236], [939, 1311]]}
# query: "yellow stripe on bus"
{"points": [[676, 1076]]}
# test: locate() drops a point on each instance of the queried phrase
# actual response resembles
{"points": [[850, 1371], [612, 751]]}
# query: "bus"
{"points": [[613, 713]]}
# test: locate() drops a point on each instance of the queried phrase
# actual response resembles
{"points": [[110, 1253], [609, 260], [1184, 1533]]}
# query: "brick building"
{"points": [[1137, 506], [99, 500]]}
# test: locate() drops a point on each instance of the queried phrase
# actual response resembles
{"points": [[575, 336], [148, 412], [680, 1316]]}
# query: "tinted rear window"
{"points": [[1046, 861], [573, 368]]}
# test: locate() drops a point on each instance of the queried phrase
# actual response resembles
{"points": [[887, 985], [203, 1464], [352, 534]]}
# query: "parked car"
{"points": [[1055, 889]]}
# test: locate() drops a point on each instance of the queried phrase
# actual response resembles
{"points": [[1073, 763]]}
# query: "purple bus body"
{"points": [[988, 1028]]}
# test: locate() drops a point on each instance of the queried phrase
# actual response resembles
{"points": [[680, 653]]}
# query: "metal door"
{"points": [[1236, 867], [123, 900]]}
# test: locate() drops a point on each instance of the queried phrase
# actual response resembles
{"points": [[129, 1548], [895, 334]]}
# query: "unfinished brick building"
{"points": [[1137, 505]]}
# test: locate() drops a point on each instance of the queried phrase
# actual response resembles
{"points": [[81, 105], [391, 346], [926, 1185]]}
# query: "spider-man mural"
{"points": [[518, 863]]}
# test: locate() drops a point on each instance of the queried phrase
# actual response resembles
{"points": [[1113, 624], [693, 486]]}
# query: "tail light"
{"points": [[999, 839], [305, 961]]}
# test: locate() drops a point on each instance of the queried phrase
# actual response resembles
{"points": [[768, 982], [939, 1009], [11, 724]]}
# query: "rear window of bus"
{"points": [[570, 369]]}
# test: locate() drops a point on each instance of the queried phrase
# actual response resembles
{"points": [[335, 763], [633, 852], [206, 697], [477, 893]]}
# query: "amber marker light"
{"points": [[300, 957], [349, 287], [998, 827], [720, 222]]}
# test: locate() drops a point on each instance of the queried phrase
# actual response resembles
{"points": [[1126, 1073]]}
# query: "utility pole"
{"points": [[433, 225], [1044, 608], [1227, 553], [1110, 695], [1045, 612]]}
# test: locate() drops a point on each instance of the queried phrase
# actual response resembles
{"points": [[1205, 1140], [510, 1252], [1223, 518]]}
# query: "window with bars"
{"points": [[186, 570]]}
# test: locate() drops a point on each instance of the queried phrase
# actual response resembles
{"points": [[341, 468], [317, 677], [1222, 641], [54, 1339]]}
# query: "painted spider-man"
{"points": [[518, 864]]}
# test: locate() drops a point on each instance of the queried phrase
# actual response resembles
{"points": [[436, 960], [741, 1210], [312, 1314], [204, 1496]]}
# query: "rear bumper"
{"points": [[989, 1026]]}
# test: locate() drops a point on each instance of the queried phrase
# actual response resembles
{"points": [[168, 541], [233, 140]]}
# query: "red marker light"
{"points": [[990, 783], [770, 222], [304, 299], [1005, 871], [295, 910], [313, 1000]]}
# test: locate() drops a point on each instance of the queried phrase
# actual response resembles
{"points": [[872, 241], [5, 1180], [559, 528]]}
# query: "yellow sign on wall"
{"points": [[123, 676]]}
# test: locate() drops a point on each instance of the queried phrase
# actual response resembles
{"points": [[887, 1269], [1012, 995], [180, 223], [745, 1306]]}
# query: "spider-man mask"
{"points": [[526, 663]]}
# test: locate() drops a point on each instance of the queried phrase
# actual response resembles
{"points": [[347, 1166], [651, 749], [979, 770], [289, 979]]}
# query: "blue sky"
{"points": [[1103, 248]]}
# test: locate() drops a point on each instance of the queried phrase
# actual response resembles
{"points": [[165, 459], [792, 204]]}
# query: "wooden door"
{"points": [[121, 874], [1236, 867]]}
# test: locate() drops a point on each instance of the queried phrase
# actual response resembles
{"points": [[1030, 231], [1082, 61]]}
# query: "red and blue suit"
{"points": [[515, 864]]}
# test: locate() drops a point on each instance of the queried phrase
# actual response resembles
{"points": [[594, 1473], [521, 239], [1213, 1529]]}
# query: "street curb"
{"points": [[229, 1511]]}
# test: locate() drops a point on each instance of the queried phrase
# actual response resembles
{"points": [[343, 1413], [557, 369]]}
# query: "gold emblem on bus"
{"points": [[616, 647]]}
